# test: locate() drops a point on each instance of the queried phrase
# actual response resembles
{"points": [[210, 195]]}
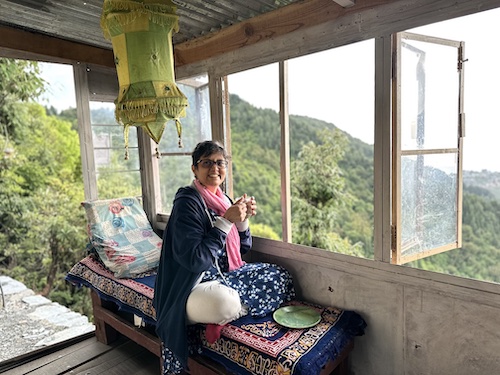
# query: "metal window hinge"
{"points": [[393, 237], [461, 56], [461, 129]]}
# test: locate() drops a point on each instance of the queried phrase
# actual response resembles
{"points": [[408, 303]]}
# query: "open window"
{"points": [[115, 178], [175, 162], [428, 126], [101, 137]]}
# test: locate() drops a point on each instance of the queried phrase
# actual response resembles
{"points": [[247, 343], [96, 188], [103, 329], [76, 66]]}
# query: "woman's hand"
{"points": [[251, 206], [242, 209]]}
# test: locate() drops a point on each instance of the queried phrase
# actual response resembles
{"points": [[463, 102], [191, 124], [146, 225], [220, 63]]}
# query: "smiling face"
{"points": [[211, 170]]}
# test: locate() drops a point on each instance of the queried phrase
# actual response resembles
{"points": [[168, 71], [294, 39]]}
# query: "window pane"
{"points": [[429, 86], [116, 177], [255, 145], [102, 113], [36, 256], [119, 184], [175, 171], [331, 102], [175, 161], [429, 206], [113, 160], [479, 256], [112, 137], [196, 126]]}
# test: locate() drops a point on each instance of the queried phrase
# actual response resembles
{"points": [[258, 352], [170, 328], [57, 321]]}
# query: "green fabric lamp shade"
{"points": [[141, 34]]}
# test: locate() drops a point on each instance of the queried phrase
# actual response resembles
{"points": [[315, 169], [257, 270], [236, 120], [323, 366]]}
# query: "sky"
{"points": [[61, 90], [337, 86]]}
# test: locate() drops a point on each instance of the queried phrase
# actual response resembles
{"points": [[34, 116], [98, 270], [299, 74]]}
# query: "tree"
{"points": [[19, 81], [40, 194], [42, 229], [318, 191], [261, 230]]}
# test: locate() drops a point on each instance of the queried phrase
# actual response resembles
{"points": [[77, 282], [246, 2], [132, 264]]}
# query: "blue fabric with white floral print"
{"points": [[263, 287]]}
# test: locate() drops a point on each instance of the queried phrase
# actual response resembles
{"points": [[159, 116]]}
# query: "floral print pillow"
{"points": [[122, 236]]}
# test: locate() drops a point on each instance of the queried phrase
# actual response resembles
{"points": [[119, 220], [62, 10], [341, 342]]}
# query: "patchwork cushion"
{"points": [[120, 233]]}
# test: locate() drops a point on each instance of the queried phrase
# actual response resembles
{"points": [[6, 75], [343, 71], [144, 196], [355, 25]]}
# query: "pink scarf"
{"points": [[219, 203]]}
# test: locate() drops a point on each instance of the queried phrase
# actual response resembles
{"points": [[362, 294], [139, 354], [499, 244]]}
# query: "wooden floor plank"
{"points": [[91, 357], [32, 364], [29, 361], [127, 359], [59, 362]]}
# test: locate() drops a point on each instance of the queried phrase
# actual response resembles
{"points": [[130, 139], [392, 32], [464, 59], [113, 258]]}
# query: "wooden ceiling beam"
{"points": [[22, 44], [289, 18], [293, 17]]}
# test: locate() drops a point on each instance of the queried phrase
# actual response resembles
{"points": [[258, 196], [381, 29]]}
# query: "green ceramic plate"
{"points": [[297, 316]]}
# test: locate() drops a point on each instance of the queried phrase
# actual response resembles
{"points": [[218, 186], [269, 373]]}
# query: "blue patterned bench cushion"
{"points": [[130, 295], [261, 346], [246, 346]]}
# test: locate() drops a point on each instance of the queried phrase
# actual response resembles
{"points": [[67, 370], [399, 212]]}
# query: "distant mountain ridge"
{"points": [[256, 140], [304, 129], [255, 137], [486, 180]]}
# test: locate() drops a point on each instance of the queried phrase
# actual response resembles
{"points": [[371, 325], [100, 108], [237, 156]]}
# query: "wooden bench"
{"points": [[109, 324]]}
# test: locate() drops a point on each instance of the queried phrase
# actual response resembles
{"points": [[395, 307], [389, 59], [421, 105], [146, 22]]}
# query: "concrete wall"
{"points": [[419, 322]]}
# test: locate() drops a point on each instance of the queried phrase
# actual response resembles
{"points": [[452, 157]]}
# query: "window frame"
{"points": [[386, 165], [219, 113], [298, 43], [397, 228], [151, 181]]}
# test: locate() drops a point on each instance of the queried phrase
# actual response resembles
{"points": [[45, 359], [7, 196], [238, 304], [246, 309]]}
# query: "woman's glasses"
{"points": [[207, 163]]}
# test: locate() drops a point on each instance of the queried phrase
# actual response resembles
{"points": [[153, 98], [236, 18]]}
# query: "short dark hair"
{"points": [[207, 148]]}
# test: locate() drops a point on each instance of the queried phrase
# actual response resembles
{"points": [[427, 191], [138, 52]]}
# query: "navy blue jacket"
{"points": [[190, 247]]}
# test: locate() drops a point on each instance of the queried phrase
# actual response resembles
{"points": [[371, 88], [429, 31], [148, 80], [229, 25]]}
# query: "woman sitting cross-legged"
{"points": [[201, 277]]}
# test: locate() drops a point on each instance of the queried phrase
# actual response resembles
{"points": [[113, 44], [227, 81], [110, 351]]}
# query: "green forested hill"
{"points": [[480, 253], [255, 136], [255, 153], [342, 198], [42, 230]]}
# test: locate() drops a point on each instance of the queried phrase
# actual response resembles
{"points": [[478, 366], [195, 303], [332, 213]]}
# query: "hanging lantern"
{"points": [[141, 34]]}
